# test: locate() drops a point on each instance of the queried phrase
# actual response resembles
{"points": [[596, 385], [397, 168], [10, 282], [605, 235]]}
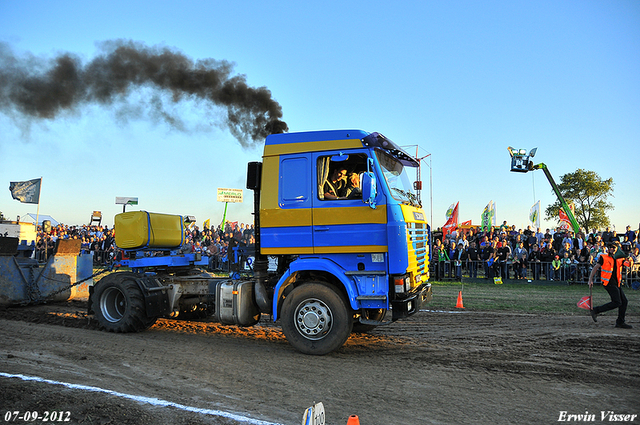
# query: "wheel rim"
{"points": [[113, 304], [313, 319]]}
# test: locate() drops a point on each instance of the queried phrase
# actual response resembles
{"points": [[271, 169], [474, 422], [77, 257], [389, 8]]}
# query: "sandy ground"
{"points": [[434, 368]]}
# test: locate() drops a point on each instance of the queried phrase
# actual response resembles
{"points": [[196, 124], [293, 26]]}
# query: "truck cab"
{"points": [[337, 210]]}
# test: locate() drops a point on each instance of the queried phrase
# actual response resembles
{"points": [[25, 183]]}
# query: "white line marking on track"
{"points": [[149, 400], [444, 311]]}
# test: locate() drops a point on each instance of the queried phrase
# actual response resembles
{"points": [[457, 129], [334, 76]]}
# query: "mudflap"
{"points": [[156, 300]]}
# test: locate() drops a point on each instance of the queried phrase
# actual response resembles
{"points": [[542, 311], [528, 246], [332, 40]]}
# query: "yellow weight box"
{"points": [[141, 229]]}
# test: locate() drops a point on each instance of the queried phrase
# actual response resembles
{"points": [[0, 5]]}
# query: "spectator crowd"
{"points": [[500, 252], [215, 242], [506, 253]]}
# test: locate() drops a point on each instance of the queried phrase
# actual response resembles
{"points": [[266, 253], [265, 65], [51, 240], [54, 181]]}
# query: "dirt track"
{"points": [[435, 368]]}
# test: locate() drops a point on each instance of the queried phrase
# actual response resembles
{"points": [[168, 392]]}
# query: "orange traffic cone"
{"points": [[353, 420], [459, 303]]}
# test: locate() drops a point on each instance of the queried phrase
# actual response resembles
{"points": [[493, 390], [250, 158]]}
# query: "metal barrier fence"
{"points": [[574, 273], [100, 257], [633, 277]]}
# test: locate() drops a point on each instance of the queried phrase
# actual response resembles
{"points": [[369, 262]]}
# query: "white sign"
{"points": [[23, 231], [314, 415], [229, 195], [126, 200]]}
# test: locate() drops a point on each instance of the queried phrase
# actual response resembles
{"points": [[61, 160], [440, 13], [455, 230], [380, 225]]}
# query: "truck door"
{"points": [[285, 212], [342, 222]]}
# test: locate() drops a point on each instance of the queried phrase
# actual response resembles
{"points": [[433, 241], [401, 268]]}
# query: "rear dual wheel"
{"points": [[118, 304], [316, 319]]}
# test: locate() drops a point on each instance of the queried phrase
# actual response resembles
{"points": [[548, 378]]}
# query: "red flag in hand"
{"points": [[585, 302]]}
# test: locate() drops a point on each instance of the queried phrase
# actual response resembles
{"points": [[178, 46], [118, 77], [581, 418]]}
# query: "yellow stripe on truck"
{"points": [[286, 148]]}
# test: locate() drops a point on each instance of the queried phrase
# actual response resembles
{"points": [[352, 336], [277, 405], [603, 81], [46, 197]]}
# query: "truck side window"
{"points": [[341, 179]]}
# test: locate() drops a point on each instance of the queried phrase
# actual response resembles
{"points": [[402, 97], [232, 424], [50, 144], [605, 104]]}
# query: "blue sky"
{"points": [[462, 80]]}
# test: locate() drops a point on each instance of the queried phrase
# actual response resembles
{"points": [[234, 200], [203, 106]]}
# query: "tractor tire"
{"points": [[118, 304], [316, 319], [361, 328]]}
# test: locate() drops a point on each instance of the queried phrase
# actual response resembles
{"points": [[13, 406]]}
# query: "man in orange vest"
{"points": [[610, 269]]}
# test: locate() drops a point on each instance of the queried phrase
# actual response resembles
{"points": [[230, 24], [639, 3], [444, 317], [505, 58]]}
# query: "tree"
{"points": [[589, 194]]}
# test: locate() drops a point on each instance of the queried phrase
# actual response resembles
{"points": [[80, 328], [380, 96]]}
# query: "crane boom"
{"points": [[563, 202]]}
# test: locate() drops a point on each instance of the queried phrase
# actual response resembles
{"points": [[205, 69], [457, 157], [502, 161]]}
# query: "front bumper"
{"points": [[411, 305]]}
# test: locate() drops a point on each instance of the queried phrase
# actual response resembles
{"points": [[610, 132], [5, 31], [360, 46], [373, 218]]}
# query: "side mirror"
{"points": [[417, 185], [369, 189]]}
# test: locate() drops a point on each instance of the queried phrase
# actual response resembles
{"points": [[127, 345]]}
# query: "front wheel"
{"points": [[316, 319], [118, 304]]}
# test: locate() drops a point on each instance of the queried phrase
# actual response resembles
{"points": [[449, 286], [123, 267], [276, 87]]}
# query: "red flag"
{"points": [[563, 215], [585, 302], [452, 223]]}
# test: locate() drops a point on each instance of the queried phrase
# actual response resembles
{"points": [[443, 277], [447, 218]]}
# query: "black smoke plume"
{"points": [[43, 88]]}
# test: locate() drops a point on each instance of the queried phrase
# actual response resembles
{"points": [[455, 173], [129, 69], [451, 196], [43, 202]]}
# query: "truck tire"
{"points": [[118, 304], [316, 319]]}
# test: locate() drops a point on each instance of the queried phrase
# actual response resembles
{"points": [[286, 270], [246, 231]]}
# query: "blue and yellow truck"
{"points": [[335, 209]]}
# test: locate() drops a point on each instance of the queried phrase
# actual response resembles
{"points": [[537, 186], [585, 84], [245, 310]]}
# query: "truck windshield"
{"points": [[395, 173]]}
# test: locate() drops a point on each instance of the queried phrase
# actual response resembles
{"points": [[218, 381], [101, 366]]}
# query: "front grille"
{"points": [[419, 242]]}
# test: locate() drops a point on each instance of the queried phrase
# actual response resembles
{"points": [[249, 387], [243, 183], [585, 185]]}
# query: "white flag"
{"points": [[493, 214], [534, 215]]}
